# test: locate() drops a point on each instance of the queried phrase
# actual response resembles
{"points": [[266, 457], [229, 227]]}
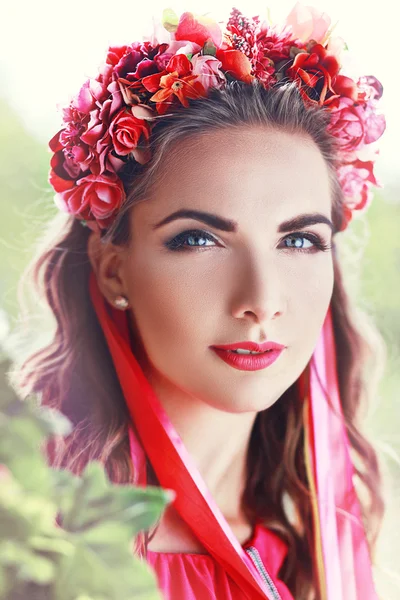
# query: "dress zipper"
{"points": [[255, 556]]}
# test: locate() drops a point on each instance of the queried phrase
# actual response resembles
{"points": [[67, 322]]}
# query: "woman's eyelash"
{"points": [[176, 244]]}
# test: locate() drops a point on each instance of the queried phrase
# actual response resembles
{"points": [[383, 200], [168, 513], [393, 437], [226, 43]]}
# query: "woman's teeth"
{"points": [[240, 351]]}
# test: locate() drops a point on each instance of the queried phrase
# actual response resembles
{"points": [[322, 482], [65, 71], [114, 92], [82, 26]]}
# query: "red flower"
{"points": [[243, 32], [126, 131], [313, 72], [273, 43], [178, 64], [181, 88], [198, 30], [344, 86], [270, 47], [236, 64], [96, 197], [64, 168], [177, 83]]}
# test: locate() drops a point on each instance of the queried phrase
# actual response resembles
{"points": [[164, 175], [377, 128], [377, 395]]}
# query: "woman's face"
{"points": [[217, 287]]}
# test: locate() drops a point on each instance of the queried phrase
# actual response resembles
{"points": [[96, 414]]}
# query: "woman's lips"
{"points": [[248, 362]]}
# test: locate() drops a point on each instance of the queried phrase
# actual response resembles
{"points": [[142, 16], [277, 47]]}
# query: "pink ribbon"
{"points": [[348, 571]]}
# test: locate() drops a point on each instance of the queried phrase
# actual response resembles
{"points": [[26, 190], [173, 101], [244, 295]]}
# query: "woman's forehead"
{"points": [[243, 169]]}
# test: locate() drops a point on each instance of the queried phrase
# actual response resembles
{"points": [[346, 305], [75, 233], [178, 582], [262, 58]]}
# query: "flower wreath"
{"points": [[109, 121]]}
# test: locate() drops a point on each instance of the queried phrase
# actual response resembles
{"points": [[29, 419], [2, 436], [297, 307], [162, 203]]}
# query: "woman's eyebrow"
{"points": [[208, 218], [232, 226], [303, 220]]}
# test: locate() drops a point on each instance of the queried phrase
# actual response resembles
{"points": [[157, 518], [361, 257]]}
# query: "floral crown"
{"points": [[108, 123]]}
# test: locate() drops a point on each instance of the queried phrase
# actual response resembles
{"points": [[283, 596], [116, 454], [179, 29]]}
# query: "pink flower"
{"points": [[308, 23], [89, 96], [94, 196], [355, 124], [356, 179], [207, 69], [370, 88], [183, 48]]}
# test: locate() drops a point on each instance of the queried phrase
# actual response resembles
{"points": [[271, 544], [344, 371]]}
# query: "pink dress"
{"points": [[184, 576]]}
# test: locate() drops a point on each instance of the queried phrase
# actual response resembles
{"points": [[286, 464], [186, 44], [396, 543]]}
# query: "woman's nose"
{"points": [[259, 291]]}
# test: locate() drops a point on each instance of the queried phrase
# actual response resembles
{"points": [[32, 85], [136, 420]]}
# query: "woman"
{"points": [[204, 339]]}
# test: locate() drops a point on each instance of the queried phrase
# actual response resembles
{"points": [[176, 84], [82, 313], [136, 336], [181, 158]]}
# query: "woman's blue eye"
{"points": [[191, 237], [197, 239]]}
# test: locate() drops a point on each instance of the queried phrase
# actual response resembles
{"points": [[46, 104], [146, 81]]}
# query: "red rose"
{"points": [[313, 72], [126, 131]]}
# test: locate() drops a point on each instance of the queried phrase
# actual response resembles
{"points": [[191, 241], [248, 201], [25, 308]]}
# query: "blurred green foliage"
{"points": [[371, 248], [88, 557]]}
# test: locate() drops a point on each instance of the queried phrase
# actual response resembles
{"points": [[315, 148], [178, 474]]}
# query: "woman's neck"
{"points": [[217, 442]]}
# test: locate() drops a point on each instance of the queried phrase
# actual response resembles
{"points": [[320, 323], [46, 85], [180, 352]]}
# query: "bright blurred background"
{"points": [[50, 47]]}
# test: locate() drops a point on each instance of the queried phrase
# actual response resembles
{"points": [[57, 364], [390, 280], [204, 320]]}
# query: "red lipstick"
{"points": [[270, 351]]}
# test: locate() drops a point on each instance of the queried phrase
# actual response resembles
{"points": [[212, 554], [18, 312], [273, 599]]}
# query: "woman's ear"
{"points": [[107, 264]]}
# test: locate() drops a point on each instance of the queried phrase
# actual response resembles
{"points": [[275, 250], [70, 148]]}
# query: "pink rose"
{"points": [[207, 69], [94, 196], [355, 124], [308, 23], [91, 92]]}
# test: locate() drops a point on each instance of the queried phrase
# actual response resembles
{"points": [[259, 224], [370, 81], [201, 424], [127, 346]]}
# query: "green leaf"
{"points": [[24, 515], [52, 544], [30, 566], [170, 20], [113, 575], [96, 500], [31, 471], [65, 485], [209, 48]]}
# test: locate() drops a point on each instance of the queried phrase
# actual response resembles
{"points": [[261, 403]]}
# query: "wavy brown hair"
{"points": [[75, 374]]}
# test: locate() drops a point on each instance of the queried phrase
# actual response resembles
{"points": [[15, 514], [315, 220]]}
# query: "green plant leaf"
{"points": [[65, 485], [56, 545], [96, 500], [170, 20], [209, 48], [114, 576], [30, 566]]}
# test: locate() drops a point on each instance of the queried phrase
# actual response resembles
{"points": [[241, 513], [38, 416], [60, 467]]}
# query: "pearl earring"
{"points": [[121, 302]]}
